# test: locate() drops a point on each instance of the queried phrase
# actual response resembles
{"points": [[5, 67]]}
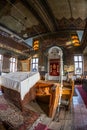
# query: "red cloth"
{"points": [[54, 67]]}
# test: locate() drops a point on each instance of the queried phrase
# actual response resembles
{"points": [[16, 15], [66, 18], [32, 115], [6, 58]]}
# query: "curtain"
{"points": [[54, 68]]}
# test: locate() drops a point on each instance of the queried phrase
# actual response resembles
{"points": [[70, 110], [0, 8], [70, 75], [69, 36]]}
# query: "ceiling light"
{"points": [[36, 45], [25, 35], [12, 35], [75, 40]]}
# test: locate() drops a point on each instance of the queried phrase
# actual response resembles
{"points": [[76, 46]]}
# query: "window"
{"points": [[1, 62], [78, 61], [34, 64], [13, 64]]}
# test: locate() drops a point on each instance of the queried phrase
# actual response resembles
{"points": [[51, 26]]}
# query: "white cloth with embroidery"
{"points": [[20, 81]]}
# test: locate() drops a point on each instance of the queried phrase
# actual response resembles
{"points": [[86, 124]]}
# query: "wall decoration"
{"points": [[68, 68], [25, 65]]}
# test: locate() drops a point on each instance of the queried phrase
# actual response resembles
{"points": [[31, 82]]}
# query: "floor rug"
{"points": [[3, 106], [83, 94], [41, 126], [12, 117]]}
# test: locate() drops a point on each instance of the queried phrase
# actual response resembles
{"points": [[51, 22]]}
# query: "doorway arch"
{"points": [[55, 63]]}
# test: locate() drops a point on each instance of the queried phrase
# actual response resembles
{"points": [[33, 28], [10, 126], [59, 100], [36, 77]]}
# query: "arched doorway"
{"points": [[55, 65]]}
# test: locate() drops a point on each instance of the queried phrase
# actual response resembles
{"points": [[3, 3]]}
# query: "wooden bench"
{"points": [[67, 92], [44, 89]]}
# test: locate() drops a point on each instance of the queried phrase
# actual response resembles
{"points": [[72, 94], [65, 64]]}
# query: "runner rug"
{"points": [[83, 94]]}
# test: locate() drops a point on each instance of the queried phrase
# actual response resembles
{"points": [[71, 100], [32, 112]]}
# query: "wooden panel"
{"points": [[67, 91]]}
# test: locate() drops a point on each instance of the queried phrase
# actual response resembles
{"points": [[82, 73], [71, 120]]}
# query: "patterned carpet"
{"points": [[13, 118]]}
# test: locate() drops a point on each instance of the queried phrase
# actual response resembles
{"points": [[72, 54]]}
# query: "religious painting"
{"points": [[54, 68]]}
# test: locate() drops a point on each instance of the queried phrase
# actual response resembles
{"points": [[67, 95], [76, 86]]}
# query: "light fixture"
{"points": [[36, 45], [75, 40]]}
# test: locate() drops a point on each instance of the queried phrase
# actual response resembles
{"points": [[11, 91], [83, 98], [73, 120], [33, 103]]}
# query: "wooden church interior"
{"points": [[43, 52]]}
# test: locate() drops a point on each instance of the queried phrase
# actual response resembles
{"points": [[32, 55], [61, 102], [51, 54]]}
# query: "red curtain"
{"points": [[54, 67]]}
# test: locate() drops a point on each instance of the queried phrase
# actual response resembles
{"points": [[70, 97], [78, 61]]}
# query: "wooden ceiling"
{"points": [[24, 19]]}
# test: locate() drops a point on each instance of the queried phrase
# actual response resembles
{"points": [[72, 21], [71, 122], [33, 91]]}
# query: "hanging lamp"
{"points": [[36, 45], [75, 40]]}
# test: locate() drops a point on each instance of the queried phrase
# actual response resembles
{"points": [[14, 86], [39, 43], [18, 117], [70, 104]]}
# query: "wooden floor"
{"points": [[73, 119], [79, 113], [76, 117]]}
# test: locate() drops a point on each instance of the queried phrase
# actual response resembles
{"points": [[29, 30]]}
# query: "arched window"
{"points": [[55, 64]]}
